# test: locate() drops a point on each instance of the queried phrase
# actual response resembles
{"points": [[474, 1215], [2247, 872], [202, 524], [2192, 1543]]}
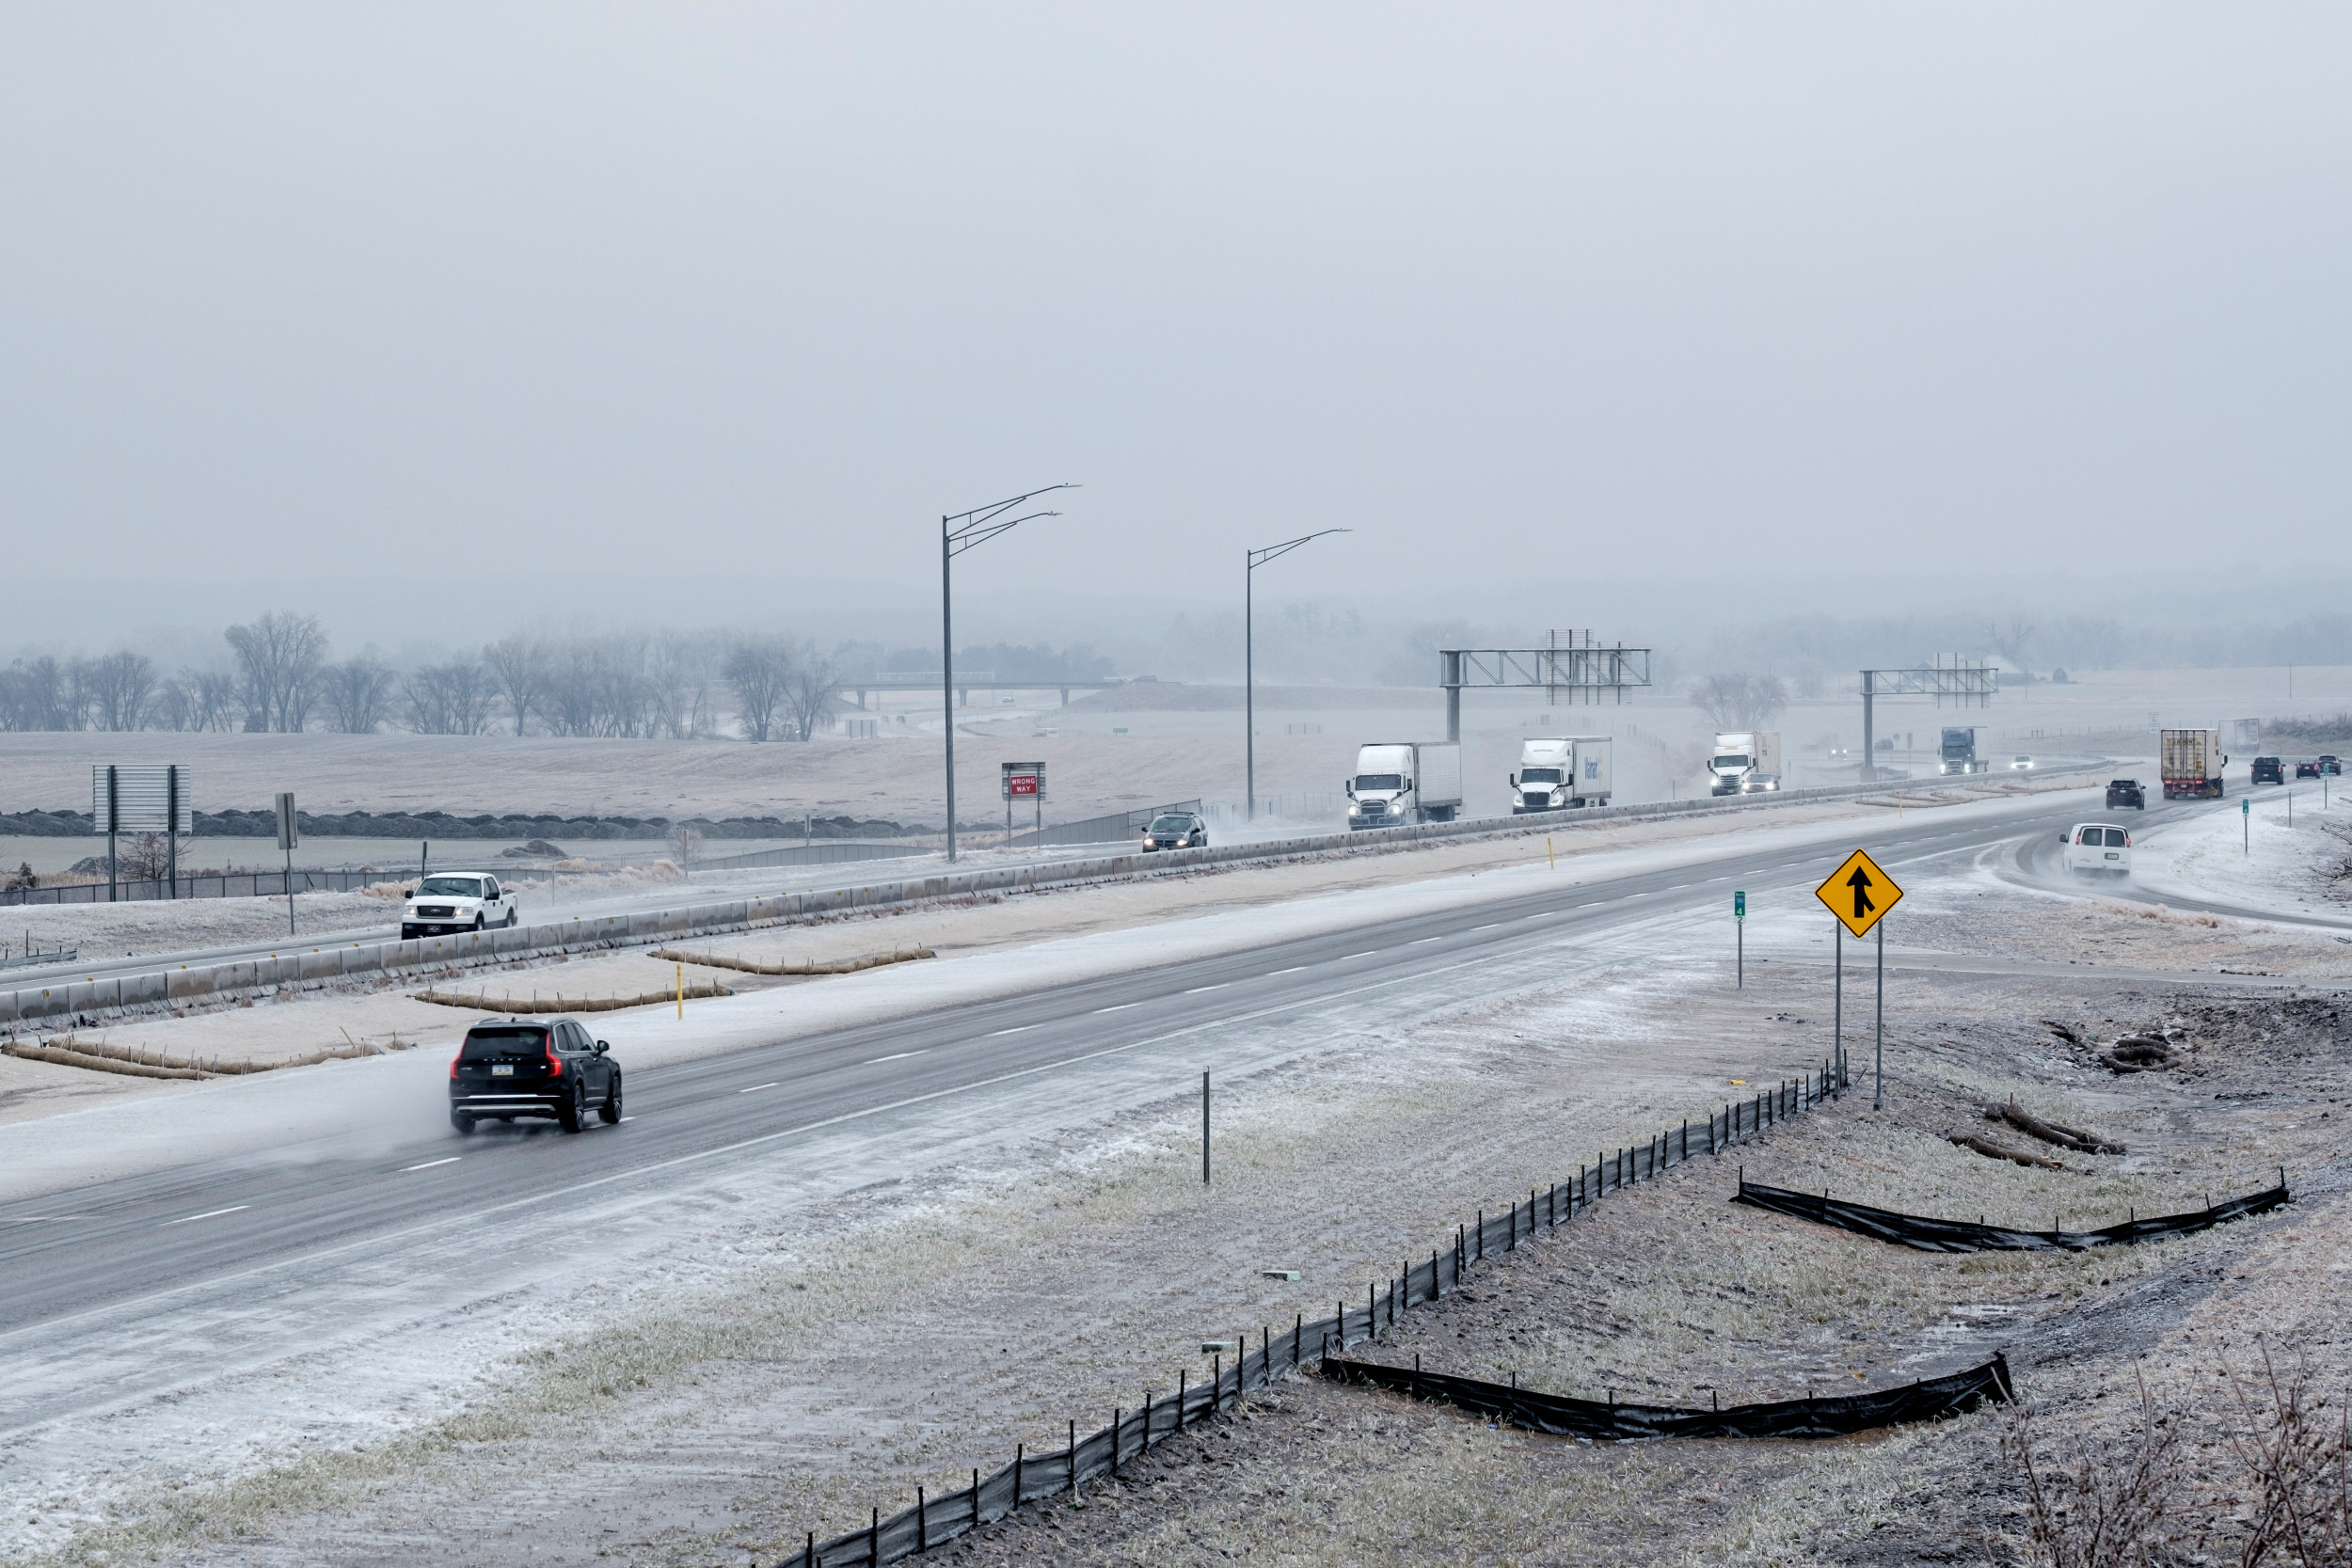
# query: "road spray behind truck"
{"points": [[1405, 782], [1558, 771], [1746, 762], [2191, 764]]}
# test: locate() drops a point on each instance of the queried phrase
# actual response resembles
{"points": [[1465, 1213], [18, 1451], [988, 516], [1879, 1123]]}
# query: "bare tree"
{"points": [[448, 698], [684, 843], [34, 696], [211, 699], [1740, 701], [280, 655], [811, 689], [518, 665], [756, 669], [144, 858], [2009, 636], [118, 689], [358, 694]]}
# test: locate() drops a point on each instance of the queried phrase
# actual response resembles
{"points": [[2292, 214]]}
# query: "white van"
{"points": [[2098, 848]]}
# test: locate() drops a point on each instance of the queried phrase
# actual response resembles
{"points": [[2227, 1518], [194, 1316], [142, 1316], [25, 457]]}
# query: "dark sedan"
{"points": [[544, 1069], [2307, 767], [1176, 829]]}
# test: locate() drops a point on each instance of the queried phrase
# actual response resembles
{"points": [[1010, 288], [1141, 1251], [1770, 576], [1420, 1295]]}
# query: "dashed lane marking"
{"points": [[1197, 990], [1119, 1006], [209, 1213], [451, 1159], [1014, 1030], [756, 1087], [899, 1055]]}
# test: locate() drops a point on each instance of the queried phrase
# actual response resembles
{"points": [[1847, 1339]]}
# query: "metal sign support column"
{"points": [[289, 834], [171, 830], [1838, 1027], [1878, 1086], [114, 820]]}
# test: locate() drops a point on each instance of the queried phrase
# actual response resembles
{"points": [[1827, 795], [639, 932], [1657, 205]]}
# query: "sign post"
{"points": [[141, 797], [2245, 826], [1023, 781], [1859, 893], [289, 835], [1740, 925]]}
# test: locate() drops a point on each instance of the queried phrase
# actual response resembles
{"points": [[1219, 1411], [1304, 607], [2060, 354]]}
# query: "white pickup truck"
{"points": [[457, 901]]}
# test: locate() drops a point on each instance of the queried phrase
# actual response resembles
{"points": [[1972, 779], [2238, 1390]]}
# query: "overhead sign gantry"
{"points": [[1964, 682], [1574, 662]]}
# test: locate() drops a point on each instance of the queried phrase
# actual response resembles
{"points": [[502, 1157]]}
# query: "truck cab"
{"points": [[1744, 762], [1960, 751], [1560, 771], [1397, 783]]}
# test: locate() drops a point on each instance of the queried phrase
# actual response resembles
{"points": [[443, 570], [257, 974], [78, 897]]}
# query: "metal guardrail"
{"points": [[33, 956], [811, 854], [228, 884]]}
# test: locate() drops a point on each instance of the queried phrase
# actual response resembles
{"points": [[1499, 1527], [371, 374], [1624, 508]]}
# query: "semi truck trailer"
{"points": [[1745, 762], [1407, 781], [1559, 771], [2191, 762]]}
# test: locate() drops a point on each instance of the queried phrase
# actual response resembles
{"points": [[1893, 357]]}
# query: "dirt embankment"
{"points": [[1668, 1294]]}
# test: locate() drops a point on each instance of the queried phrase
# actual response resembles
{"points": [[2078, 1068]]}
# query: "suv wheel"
{"points": [[460, 1120], [477, 922], [567, 1116], [513, 916], [611, 1109]]}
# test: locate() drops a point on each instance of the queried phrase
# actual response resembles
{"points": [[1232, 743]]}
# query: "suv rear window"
{"points": [[507, 1044]]}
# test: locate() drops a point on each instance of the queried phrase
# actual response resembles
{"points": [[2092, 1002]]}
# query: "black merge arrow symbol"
{"points": [[1860, 882]]}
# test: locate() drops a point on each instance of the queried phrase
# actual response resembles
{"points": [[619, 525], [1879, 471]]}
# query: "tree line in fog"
{"points": [[282, 677]]}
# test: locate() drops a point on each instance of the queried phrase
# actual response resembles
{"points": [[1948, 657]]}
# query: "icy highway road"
{"points": [[99, 1276]]}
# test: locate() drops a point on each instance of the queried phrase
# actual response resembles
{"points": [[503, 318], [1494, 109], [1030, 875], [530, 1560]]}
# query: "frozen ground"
{"points": [[2270, 858], [783, 1347]]}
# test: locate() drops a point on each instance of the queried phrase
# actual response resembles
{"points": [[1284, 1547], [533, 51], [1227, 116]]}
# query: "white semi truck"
{"points": [[1559, 771], [1405, 782], [1745, 762]]}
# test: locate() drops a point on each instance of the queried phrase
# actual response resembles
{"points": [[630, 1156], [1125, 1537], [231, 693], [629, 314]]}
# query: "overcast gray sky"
{"points": [[1515, 293]]}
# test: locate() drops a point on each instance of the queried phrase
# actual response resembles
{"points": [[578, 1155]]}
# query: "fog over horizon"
{"points": [[1658, 322]]}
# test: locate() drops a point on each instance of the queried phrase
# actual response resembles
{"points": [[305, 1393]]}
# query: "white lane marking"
{"points": [[1365, 954], [1496, 927], [756, 1087], [1540, 914], [1197, 990], [1014, 1030], [1418, 941], [626, 1118], [897, 1057], [1119, 1007], [208, 1214], [1292, 969], [430, 1164], [474, 1217]]}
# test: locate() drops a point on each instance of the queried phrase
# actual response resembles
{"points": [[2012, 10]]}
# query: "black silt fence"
{"points": [[1935, 1235], [1131, 1432], [1932, 1399]]}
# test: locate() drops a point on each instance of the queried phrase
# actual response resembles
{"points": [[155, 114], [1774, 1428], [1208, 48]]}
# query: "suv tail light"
{"points": [[452, 1069], [555, 1063]]}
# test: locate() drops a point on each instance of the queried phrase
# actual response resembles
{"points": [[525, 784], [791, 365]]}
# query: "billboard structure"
{"points": [[141, 797]]}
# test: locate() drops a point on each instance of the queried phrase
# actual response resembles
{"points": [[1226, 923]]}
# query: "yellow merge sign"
{"points": [[1859, 893]]}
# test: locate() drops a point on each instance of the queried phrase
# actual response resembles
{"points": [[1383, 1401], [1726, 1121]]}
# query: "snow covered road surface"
{"points": [[351, 1270]]}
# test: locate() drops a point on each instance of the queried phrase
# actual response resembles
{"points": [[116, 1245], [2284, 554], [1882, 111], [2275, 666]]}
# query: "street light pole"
{"points": [[958, 532], [1249, 655]]}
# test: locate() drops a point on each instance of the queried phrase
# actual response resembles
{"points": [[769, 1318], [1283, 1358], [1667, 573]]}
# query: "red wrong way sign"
{"points": [[1021, 783], [1023, 780]]}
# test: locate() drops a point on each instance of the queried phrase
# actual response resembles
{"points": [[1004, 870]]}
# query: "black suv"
{"points": [[2269, 770], [515, 1066], [1176, 829], [2126, 792]]}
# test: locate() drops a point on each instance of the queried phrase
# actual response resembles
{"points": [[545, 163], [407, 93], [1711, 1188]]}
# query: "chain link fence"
{"points": [[1280, 1352]]}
